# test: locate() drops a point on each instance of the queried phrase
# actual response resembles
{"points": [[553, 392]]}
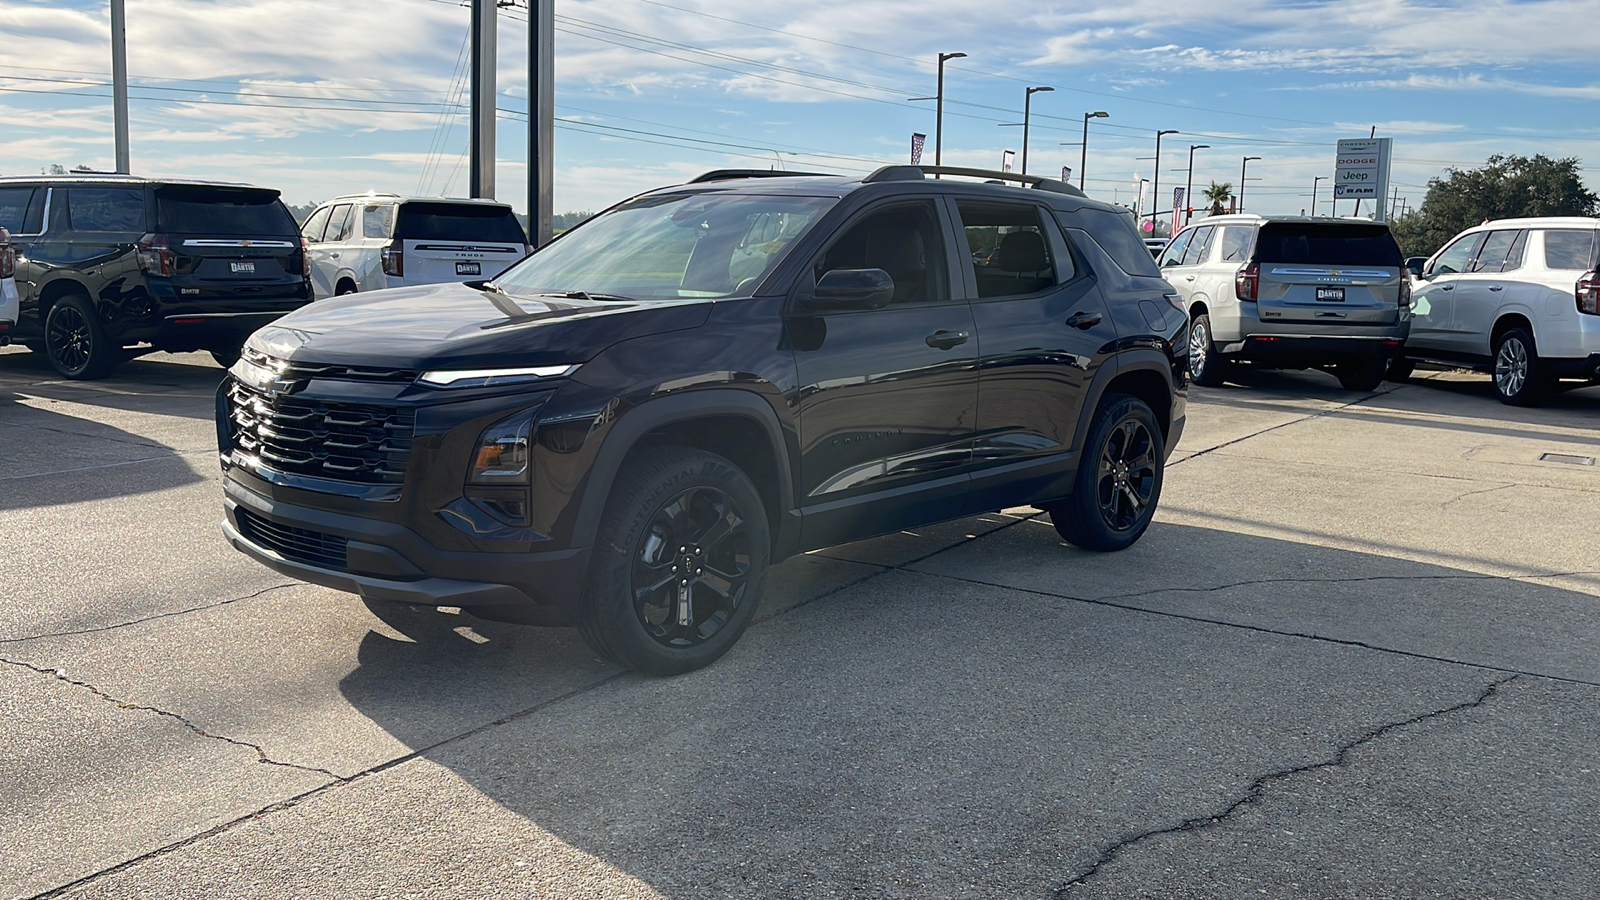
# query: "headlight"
{"points": [[464, 378], [502, 454]]}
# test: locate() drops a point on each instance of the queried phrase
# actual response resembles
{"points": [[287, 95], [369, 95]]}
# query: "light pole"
{"points": [[938, 115], [1188, 192], [1027, 107], [1155, 186], [1083, 160], [1314, 182], [1242, 165]]}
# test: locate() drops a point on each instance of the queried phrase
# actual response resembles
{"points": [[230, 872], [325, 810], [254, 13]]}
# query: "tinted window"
{"points": [[338, 223], [1009, 240], [1569, 249], [458, 222], [106, 209], [1173, 255], [1198, 246], [14, 208], [1519, 248], [1328, 244], [1119, 237], [376, 221], [1236, 243], [1493, 254], [314, 225], [904, 241], [206, 210], [1459, 255]]}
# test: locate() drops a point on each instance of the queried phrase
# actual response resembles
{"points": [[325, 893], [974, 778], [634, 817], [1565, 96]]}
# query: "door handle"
{"points": [[1084, 320], [1188, 278], [1497, 287], [333, 256], [944, 340], [1447, 287]]}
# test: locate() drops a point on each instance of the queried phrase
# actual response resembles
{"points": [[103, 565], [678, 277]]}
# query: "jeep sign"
{"points": [[1361, 172]]}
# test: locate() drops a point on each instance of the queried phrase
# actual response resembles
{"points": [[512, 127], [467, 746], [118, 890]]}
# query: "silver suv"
{"points": [[1291, 292], [1516, 297]]}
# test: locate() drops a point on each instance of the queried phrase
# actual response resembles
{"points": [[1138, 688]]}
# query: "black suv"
{"points": [[625, 429], [109, 261]]}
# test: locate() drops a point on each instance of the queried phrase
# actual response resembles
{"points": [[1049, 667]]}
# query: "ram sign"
{"points": [[1361, 172]]}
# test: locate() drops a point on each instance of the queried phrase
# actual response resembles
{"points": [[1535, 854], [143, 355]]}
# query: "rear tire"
{"points": [[1118, 484], [1362, 375], [1519, 376], [678, 563], [1206, 366], [1401, 369], [75, 341]]}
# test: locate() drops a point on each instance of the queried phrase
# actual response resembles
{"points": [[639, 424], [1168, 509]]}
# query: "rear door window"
{"points": [[458, 222], [1236, 243], [1021, 263], [1495, 249], [1196, 254], [1327, 244], [106, 209], [222, 211], [338, 224], [1569, 249], [1173, 255], [1519, 248], [14, 202]]}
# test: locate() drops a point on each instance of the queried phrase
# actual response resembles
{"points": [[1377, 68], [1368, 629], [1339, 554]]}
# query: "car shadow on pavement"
{"points": [[988, 720], [159, 383]]}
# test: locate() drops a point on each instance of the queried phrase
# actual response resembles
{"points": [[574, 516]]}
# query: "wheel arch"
{"points": [[739, 425], [346, 279], [1508, 321], [51, 294], [1145, 374]]}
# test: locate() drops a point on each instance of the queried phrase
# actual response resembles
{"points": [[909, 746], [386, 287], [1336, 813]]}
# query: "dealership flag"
{"points": [[917, 140], [1005, 160], [1066, 173]]}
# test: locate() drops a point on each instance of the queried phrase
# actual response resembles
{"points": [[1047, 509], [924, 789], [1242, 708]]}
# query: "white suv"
{"points": [[366, 242], [10, 301], [1517, 297], [1290, 292]]}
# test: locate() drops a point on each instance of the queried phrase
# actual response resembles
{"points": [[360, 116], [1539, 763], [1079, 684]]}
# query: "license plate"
{"points": [[469, 268], [1330, 294], [243, 268]]}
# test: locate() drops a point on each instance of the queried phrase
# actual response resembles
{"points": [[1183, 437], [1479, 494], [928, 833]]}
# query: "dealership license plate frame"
{"points": [[469, 268], [1330, 295]]}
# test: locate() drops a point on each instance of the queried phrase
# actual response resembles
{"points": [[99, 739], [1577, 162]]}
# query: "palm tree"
{"points": [[1219, 195]]}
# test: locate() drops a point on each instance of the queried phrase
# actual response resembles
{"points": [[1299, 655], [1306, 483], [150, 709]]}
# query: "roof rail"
{"points": [[917, 173], [727, 174]]}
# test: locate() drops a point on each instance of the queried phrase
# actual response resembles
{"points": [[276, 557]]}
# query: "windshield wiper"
{"points": [[586, 296]]}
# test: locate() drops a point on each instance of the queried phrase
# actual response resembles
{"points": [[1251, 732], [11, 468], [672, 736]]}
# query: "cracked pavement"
{"points": [[1358, 655]]}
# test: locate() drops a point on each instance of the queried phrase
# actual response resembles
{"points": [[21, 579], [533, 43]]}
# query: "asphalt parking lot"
{"points": [[1357, 655]]}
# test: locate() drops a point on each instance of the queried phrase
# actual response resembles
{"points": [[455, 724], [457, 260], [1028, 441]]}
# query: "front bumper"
{"points": [[385, 561]]}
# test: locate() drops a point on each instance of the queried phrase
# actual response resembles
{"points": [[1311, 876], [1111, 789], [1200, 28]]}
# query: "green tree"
{"points": [[1219, 195], [1505, 187]]}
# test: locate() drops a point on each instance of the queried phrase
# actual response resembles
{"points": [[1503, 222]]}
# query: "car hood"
{"points": [[451, 325]]}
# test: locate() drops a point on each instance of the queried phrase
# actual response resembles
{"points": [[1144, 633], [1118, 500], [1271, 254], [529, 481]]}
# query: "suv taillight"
{"points": [[1247, 284], [1588, 292], [1405, 291], [155, 257], [8, 255], [305, 258], [394, 259]]}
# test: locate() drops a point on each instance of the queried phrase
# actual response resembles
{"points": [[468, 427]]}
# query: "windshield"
{"points": [[669, 246]]}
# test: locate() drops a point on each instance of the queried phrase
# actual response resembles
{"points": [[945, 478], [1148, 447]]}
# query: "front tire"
{"points": [[76, 343], [1519, 377], [678, 563], [1118, 484], [226, 356], [1206, 367]]}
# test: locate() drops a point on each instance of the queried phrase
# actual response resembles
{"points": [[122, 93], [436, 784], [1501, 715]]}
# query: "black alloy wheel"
{"points": [[1119, 482], [75, 343], [678, 562], [691, 567]]}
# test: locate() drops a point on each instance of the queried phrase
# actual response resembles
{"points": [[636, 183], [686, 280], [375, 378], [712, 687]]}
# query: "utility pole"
{"points": [[119, 82], [541, 119], [481, 179], [1242, 166], [1155, 187], [1314, 182], [1188, 192], [938, 113]]}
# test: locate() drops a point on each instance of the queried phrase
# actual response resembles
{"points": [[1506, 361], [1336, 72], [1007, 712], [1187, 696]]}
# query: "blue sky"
{"points": [[318, 98]]}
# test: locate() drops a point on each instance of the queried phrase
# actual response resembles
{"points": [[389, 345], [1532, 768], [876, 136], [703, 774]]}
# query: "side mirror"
{"points": [[852, 289], [1415, 265]]}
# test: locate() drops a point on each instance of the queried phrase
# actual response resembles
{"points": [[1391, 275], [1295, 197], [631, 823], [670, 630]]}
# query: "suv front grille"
{"points": [[357, 442], [294, 370], [301, 545]]}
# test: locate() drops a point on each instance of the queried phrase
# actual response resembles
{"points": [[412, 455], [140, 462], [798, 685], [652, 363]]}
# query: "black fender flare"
{"points": [[1134, 359], [631, 427]]}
